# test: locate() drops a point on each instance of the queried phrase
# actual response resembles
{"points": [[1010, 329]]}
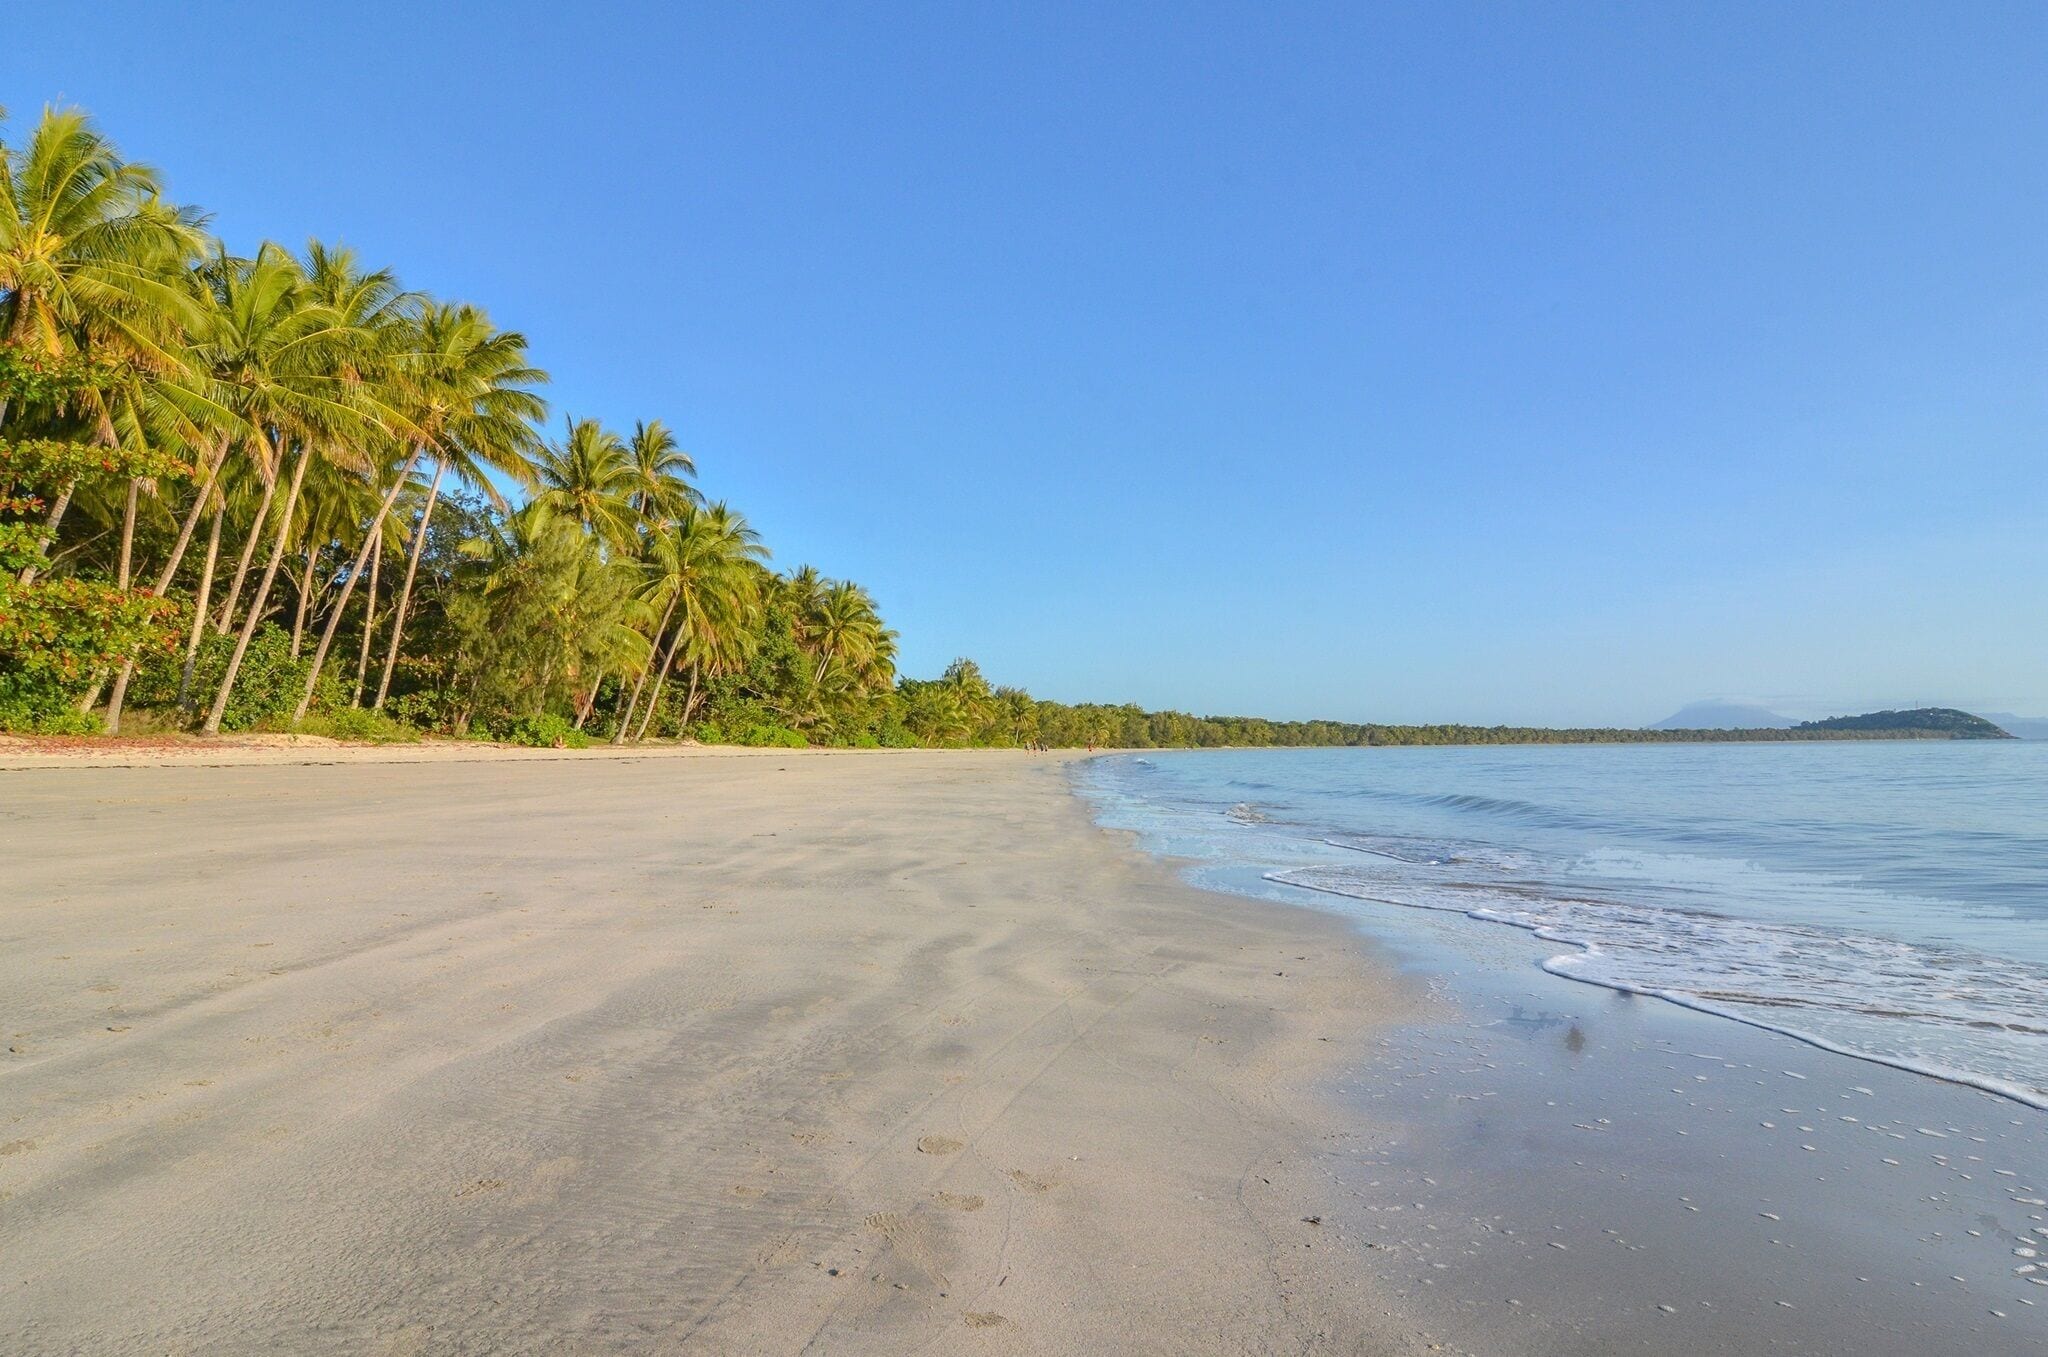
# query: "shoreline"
{"points": [[733, 1050]]}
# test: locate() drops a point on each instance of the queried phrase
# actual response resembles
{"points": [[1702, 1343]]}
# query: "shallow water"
{"points": [[1549, 1166], [1888, 900]]}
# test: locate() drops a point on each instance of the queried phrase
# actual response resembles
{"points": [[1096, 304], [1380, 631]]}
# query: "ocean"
{"points": [[1887, 900]]}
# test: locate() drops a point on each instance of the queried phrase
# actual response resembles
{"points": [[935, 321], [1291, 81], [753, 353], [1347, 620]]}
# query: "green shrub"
{"points": [[359, 723], [36, 704], [545, 731], [423, 710], [771, 737], [267, 687], [707, 733]]}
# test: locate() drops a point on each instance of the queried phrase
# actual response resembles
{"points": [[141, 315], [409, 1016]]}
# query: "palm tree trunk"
{"points": [[369, 614], [124, 573], [305, 598], [583, 708], [119, 696], [370, 538], [626, 721], [262, 598], [56, 515], [690, 702], [199, 605], [248, 558], [654, 699], [412, 568]]}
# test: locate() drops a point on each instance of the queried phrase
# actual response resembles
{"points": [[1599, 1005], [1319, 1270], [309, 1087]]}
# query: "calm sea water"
{"points": [[1884, 900]]}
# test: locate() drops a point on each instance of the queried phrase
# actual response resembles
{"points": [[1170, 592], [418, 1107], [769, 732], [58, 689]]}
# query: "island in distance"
{"points": [[1927, 721]]}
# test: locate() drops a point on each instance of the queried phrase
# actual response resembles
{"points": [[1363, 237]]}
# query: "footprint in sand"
{"points": [[959, 1201], [984, 1319], [1030, 1182], [480, 1185], [938, 1145]]}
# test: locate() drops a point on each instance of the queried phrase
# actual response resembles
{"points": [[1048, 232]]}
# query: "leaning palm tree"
{"points": [[704, 571], [291, 361], [481, 418], [465, 386]]}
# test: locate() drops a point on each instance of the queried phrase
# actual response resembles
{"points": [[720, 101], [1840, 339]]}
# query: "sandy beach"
{"points": [[787, 1052]]}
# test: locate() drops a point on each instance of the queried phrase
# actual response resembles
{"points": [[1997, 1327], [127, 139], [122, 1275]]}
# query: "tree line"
{"points": [[280, 490]]}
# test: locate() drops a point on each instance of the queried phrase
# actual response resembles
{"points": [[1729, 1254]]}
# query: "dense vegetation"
{"points": [[1933, 721], [279, 490]]}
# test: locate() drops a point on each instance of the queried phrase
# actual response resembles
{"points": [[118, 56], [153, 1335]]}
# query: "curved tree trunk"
{"points": [[169, 573], [248, 557], [371, 536], [256, 604], [305, 601], [583, 707], [690, 702], [626, 721], [199, 605], [412, 568], [125, 573], [56, 515], [668, 658], [369, 615]]}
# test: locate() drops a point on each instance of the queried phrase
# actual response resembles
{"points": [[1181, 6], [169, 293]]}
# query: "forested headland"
{"points": [[279, 490]]}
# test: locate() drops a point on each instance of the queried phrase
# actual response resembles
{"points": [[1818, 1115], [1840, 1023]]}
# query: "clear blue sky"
{"points": [[1539, 362]]}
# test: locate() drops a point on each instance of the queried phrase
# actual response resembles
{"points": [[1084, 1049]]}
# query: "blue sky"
{"points": [[1437, 362]]}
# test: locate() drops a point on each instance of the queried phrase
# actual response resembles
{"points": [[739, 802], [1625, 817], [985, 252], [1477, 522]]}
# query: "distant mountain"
{"points": [[2020, 727], [1723, 716], [1936, 721]]}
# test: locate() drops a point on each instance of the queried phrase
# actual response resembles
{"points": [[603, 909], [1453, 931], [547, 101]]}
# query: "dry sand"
{"points": [[832, 1053]]}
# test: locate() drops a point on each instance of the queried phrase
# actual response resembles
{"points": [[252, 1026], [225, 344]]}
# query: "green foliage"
{"points": [[266, 689], [68, 627], [56, 462], [360, 723], [37, 379], [545, 730], [771, 737], [422, 710], [34, 703]]}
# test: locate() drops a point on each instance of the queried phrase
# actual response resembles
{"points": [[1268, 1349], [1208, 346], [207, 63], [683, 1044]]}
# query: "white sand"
{"points": [[844, 1054]]}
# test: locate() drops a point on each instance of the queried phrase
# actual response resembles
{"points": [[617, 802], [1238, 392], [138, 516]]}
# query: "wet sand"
{"points": [[1558, 1170], [848, 1054]]}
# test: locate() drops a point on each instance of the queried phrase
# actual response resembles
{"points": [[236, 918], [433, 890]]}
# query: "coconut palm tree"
{"points": [[91, 267], [662, 473], [83, 240], [291, 352], [590, 478], [468, 402], [704, 570]]}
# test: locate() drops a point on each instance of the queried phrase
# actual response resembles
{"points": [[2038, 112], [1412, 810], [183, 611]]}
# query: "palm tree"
{"points": [[705, 570], [83, 238], [466, 387], [491, 436], [91, 266], [590, 478], [290, 351], [845, 627], [662, 474]]}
